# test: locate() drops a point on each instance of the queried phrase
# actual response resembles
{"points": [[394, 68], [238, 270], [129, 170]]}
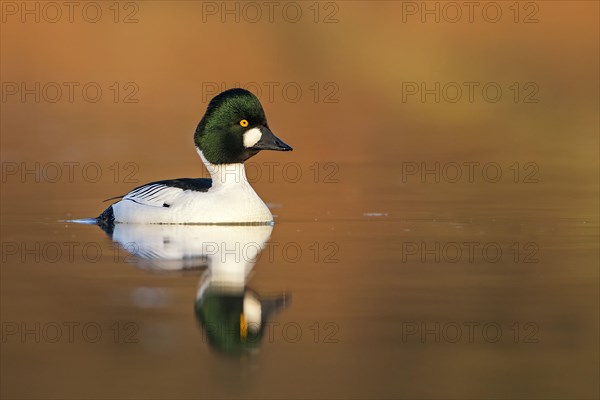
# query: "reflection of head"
{"points": [[235, 322]]}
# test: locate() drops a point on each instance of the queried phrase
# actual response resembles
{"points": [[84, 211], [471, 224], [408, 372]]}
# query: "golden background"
{"points": [[368, 53]]}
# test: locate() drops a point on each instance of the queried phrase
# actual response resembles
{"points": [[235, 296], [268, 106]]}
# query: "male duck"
{"points": [[233, 129]]}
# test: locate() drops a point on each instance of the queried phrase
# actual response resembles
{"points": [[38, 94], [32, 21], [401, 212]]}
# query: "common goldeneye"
{"points": [[233, 129]]}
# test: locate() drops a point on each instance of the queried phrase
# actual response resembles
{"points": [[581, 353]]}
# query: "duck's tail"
{"points": [[106, 220]]}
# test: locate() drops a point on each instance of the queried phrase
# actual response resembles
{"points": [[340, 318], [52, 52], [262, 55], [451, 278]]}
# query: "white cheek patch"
{"points": [[252, 312], [251, 137]]}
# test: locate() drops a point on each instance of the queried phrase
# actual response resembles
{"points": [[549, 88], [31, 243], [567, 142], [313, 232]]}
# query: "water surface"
{"points": [[400, 294]]}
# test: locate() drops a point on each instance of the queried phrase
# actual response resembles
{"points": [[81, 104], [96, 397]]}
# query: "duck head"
{"points": [[235, 128]]}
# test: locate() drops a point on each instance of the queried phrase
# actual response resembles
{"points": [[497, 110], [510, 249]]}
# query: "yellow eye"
{"points": [[244, 123]]}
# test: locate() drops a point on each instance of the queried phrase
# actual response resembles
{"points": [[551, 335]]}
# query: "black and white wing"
{"points": [[164, 193]]}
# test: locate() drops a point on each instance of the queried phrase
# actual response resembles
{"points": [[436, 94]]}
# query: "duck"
{"points": [[233, 129]]}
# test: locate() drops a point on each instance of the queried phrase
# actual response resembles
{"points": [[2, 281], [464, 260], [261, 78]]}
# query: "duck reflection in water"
{"points": [[233, 316]]}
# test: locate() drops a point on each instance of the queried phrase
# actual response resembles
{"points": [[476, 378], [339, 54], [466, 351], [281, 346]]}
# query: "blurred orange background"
{"points": [[357, 64]]}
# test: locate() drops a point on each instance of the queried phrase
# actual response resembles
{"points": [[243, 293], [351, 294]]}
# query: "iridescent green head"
{"points": [[235, 128]]}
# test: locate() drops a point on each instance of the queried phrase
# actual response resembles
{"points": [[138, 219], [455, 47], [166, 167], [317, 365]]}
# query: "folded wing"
{"points": [[164, 193]]}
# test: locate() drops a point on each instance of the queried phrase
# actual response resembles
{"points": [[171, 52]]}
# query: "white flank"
{"points": [[231, 199]]}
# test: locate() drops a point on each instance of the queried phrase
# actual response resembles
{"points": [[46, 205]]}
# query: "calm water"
{"points": [[422, 290], [388, 273]]}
